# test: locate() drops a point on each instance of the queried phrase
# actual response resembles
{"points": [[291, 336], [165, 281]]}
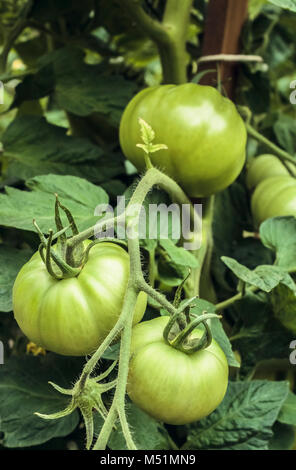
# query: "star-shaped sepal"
{"points": [[86, 397]]}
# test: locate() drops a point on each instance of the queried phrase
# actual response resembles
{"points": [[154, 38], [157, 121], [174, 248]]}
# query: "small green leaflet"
{"points": [[148, 135], [264, 277], [272, 233], [178, 254], [288, 4]]}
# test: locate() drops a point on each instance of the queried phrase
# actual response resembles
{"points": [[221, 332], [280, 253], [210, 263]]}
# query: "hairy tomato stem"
{"points": [[277, 150], [206, 285], [136, 284], [169, 35]]}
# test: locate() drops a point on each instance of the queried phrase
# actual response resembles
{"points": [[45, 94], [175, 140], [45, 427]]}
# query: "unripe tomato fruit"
{"points": [[205, 135], [274, 197], [266, 166], [73, 316], [172, 386]]}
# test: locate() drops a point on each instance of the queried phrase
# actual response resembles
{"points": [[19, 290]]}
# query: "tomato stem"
{"points": [[282, 154], [201, 282], [169, 35]]}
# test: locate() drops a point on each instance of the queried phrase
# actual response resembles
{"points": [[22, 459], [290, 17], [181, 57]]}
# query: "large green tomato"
{"points": [[266, 166], [73, 316], [172, 386], [274, 197], [205, 135]]}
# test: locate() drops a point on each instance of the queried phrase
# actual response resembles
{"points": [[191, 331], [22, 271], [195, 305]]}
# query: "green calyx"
{"points": [[178, 332], [181, 338], [86, 397], [61, 260]]}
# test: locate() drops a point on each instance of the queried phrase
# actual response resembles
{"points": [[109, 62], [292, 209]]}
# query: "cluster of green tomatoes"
{"points": [[273, 187], [206, 141]]}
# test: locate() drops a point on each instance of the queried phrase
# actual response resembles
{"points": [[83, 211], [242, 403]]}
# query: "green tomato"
{"points": [[170, 385], [274, 197], [73, 316], [266, 166], [205, 135]]}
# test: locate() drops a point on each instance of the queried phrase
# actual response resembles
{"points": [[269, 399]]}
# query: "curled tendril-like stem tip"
{"points": [[181, 340]]}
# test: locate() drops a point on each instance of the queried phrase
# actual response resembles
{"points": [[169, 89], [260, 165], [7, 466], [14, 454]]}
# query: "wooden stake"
{"points": [[224, 22]]}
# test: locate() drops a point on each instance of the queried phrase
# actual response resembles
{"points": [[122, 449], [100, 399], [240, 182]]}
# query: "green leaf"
{"points": [[178, 254], [70, 187], [288, 4], [265, 278], [244, 419], [83, 89], [285, 131], [255, 7], [147, 133], [19, 208], [157, 147], [274, 275], [34, 87], [272, 233], [11, 260], [24, 390], [112, 352], [53, 152], [170, 273], [287, 414], [174, 262], [231, 214]]}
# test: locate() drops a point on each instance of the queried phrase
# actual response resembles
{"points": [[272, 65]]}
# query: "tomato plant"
{"points": [[170, 385], [73, 316], [207, 161], [147, 284]]}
